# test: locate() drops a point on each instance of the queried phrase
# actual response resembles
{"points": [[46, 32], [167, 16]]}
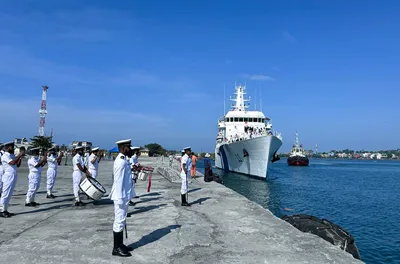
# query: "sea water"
{"points": [[362, 196]]}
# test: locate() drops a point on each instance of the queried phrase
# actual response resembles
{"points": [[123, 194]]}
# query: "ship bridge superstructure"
{"points": [[240, 123]]}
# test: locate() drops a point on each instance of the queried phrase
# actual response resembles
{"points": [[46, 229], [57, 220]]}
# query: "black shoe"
{"points": [[7, 214], [119, 248], [35, 203], [4, 214], [127, 248], [77, 203], [82, 203], [29, 204], [184, 202], [131, 203], [51, 196]]}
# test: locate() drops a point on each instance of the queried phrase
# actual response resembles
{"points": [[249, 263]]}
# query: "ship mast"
{"points": [[297, 139], [241, 104]]}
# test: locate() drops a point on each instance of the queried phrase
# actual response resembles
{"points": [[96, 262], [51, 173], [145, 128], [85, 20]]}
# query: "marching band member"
{"points": [[94, 160], [79, 167], [86, 157], [184, 173], [52, 165], [10, 164], [121, 194], [35, 173], [134, 164], [1, 167]]}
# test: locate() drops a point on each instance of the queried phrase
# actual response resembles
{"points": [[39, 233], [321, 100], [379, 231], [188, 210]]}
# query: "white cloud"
{"points": [[289, 37], [258, 77]]}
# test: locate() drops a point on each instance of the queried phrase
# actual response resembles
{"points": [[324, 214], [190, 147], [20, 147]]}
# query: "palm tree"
{"points": [[42, 142]]}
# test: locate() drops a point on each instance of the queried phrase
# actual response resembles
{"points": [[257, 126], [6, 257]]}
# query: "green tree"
{"points": [[155, 149], [42, 142]]}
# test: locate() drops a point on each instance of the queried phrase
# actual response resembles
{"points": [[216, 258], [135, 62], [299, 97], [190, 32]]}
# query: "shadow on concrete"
{"points": [[150, 194], [145, 209], [194, 190], [65, 195], [154, 236], [148, 200], [24, 194], [46, 209], [199, 201], [103, 202], [57, 201]]}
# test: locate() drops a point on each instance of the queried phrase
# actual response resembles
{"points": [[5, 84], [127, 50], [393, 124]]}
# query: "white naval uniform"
{"points": [[93, 167], [33, 178], [51, 172], [1, 171], [86, 159], [77, 175], [184, 186], [10, 178], [132, 161], [121, 191]]}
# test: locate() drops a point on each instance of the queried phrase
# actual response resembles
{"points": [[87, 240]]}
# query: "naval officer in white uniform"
{"points": [[10, 164], [121, 194], [35, 173], [184, 171], [1, 167], [94, 160], [52, 165], [79, 167]]}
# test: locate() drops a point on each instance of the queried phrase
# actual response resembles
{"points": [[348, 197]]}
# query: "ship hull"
{"points": [[250, 157], [297, 161]]}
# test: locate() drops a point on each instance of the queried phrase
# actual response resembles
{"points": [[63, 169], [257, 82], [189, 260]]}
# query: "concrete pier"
{"points": [[221, 226]]}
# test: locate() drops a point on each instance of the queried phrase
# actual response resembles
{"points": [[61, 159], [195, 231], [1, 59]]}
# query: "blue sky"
{"points": [[155, 70]]}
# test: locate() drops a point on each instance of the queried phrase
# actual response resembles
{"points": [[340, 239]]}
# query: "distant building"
{"points": [[85, 144], [144, 152]]}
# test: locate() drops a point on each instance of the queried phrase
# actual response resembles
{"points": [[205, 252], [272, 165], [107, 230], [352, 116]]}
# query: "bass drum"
{"points": [[92, 188]]}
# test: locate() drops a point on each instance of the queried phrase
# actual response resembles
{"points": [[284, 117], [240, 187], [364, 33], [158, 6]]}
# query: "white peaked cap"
{"points": [[207, 155], [96, 148], [124, 141], [186, 148], [78, 147], [135, 148]]}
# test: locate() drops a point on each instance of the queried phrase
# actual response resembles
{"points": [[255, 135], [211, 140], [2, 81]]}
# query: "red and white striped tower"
{"points": [[43, 111]]}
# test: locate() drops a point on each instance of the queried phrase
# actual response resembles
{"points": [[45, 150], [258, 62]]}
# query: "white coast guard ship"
{"points": [[246, 142]]}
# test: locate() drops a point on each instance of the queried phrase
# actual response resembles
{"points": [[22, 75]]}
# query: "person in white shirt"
{"points": [[1, 167], [94, 160], [53, 162], [184, 171], [35, 173], [134, 165], [79, 167], [86, 157], [121, 194], [10, 164]]}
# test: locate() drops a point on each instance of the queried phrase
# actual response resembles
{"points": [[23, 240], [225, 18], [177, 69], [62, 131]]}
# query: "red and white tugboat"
{"points": [[297, 156]]}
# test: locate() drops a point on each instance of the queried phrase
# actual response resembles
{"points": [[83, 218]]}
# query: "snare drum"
{"points": [[92, 188]]}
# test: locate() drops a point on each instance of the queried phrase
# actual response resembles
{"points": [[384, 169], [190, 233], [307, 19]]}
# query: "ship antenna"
{"points": [[255, 102], [260, 100]]}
